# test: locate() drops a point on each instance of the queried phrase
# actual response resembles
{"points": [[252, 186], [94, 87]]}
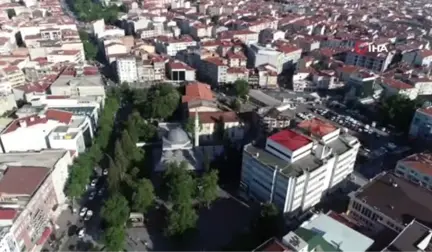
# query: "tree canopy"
{"points": [[115, 211], [162, 100], [399, 110], [144, 196], [268, 223], [181, 185], [241, 88], [181, 218], [87, 10], [208, 188], [114, 237]]}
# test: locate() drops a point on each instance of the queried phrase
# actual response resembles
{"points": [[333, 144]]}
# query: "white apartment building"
{"points": [[171, 46], [281, 57], [73, 84], [8, 241], [294, 171], [378, 62], [421, 125], [72, 56], [214, 70], [127, 69], [52, 128]]}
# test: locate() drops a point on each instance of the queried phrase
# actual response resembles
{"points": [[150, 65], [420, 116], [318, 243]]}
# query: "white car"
{"points": [[93, 183], [81, 233], [92, 195], [89, 214], [83, 211], [105, 172]]}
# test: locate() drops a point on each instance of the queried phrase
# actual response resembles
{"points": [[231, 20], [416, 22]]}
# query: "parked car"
{"points": [[92, 195], [105, 172], [81, 233], [93, 183], [83, 211], [88, 216]]}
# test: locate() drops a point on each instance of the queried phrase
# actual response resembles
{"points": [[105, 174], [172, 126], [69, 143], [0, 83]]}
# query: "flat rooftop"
{"points": [[44, 158], [397, 198], [295, 169], [82, 81], [77, 110], [409, 238], [338, 234], [290, 139], [263, 98], [317, 127]]}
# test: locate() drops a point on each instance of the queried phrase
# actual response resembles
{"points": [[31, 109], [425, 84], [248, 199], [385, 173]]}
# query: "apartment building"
{"points": [[29, 213], [421, 124], [172, 46], [50, 129], [280, 56], [294, 168], [378, 62], [8, 242], [416, 168], [73, 83], [214, 70], [127, 69], [179, 71], [397, 87], [390, 201], [13, 75], [72, 56]]}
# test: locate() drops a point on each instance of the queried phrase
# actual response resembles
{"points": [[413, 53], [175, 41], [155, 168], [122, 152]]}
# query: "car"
{"points": [[105, 172], [101, 191], [81, 233], [83, 211], [88, 215], [92, 195], [93, 183]]}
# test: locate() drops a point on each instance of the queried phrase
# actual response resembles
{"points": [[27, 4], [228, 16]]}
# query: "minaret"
{"points": [[196, 129]]}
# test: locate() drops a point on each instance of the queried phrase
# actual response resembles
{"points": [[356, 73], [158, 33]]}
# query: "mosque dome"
{"points": [[178, 136]]}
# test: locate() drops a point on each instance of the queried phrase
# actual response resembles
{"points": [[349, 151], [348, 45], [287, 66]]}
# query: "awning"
{"points": [[45, 234]]}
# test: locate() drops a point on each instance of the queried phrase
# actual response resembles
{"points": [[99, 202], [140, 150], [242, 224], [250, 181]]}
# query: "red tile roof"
{"points": [[272, 245], [290, 139], [22, 180], [427, 111], [420, 162], [50, 114], [317, 127], [8, 214], [341, 219], [198, 91], [213, 117]]}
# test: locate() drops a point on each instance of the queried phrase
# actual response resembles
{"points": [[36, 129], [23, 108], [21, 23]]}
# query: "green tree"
{"points": [[127, 145], [95, 152], [144, 196], [114, 237], [236, 104], [399, 110], [114, 176], [162, 101], [122, 161], [181, 218], [133, 124], [181, 185], [208, 188], [147, 132], [90, 50], [241, 88], [115, 211], [268, 223]]}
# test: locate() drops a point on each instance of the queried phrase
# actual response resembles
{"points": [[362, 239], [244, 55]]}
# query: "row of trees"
{"points": [[128, 187], [183, 189], [82, 169], [90, 48]]}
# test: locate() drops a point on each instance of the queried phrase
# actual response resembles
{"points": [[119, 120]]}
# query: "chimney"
{"points": [[196, 129]]}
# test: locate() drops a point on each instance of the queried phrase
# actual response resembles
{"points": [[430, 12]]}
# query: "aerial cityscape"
{"points": [[211, 125]]}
